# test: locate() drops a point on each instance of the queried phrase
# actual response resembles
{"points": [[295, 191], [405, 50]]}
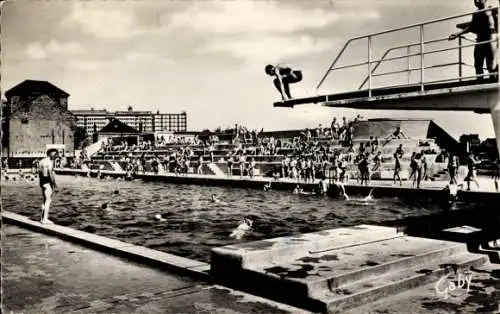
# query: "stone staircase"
{"points": [[216, 170], [116, 166], [334, 270], [441, 175]]}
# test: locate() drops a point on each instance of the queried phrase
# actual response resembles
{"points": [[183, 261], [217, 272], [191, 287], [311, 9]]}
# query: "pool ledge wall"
{"points": [[433, 194], [176, 264]]}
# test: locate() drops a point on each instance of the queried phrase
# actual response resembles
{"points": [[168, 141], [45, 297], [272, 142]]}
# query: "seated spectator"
{"points": [[398, 134]]}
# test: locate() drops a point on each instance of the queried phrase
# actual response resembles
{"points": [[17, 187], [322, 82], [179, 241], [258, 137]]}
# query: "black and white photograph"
{"points": [[250, 156]]}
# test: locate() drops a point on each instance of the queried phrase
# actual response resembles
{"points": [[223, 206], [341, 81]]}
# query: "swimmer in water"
{"points": [[244, 226], [341, 188], [297, 190], [214, 199], [452, 189], [160, 218], [267, 186], [369, 197]]}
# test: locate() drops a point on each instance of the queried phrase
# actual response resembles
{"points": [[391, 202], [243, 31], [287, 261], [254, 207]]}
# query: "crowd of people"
{"points": [[314, 153]]}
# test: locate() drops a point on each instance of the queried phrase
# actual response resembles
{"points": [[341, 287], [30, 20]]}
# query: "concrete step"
{"points": [[263, 253], [335, 268], [411, 257], [314, 270], [362, 292]]}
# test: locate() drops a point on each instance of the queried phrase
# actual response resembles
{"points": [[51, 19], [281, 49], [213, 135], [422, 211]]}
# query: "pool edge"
{"points": [[158, 259]]}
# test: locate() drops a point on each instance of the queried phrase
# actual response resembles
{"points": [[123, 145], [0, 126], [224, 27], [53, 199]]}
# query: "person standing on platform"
{"points": [[496, 173], [334, 127], [378, 161], [424, 167], [418, 166], [251, 168], [242, 161], [485, 25], [230, 162], [397, 168], [200, 165], [48, 184], [471, 174], [363, 169], [283, 77], [453, 164]]}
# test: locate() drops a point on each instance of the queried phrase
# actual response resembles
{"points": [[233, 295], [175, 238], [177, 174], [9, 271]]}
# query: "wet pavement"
{"points": [[446, 295], [43, 274]]}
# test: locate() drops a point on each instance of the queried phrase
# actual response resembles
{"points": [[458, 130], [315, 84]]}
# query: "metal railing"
{"points": [[422, 53]]}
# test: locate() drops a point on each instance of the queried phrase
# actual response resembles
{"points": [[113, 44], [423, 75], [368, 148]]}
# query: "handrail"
{"points": [[334, 62], [412, 55], [408, 46], [416, 69], [393, 49], [423, 23], [421, 43]]}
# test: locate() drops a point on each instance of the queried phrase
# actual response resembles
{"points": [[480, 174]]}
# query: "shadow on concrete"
{"points": [[482, 216]]}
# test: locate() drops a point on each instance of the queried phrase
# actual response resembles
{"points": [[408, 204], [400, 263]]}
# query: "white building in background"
{"points": [[144, 121]]}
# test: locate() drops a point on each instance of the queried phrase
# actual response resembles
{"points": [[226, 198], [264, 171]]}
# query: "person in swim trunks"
{"points": [[283, 77], [471, 171], [485, 26], [496, 173], [397, 168], [48, 184]]}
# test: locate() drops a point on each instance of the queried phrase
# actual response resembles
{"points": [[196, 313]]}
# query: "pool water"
{"points": [[193, 225]]}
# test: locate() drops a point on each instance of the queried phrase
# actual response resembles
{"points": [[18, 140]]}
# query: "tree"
{"points": [[80, 137]]}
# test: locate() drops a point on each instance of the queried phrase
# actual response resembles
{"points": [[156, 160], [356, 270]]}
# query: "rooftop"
{"points": [[91, 112], [132, 112], [35, 87]]}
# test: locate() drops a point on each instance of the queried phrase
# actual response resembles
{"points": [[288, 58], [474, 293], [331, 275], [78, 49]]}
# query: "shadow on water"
{"points": [[192, 224]]}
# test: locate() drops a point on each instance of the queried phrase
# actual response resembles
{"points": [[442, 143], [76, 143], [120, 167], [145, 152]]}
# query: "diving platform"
{"points": [[456, 85], [469, 95]]}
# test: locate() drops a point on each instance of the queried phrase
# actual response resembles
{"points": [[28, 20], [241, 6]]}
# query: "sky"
{"points": [[208, 57]]}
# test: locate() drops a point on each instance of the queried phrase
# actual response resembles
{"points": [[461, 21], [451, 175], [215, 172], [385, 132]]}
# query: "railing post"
{"points": [[422, 57], [369, 66], [460, 58], [408, 65]]}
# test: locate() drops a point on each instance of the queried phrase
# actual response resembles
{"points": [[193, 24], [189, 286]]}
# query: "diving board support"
{"points": [[495, 115]]}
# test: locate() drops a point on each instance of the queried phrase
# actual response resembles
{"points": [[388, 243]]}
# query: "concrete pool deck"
{"points": [[44, 274], [177, 264]]}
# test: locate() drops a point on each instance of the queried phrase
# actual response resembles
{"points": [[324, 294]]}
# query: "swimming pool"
{"points": [[193, 224]]}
